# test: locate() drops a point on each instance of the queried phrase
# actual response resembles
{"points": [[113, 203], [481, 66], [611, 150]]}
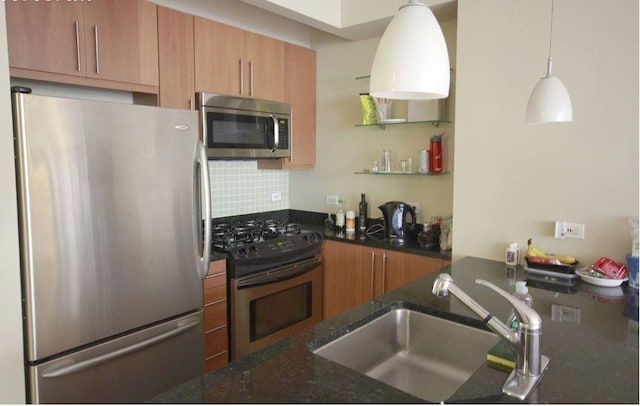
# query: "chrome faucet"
{"points": [[525, 340]]}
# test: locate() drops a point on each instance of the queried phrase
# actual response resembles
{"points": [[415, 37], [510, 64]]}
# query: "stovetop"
{"points": [[256, 245]]}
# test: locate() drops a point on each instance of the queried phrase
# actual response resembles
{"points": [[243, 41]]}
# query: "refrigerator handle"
{"points": [[202, 163], [57, 372]]}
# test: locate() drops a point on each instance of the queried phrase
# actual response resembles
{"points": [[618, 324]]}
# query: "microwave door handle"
{"points": [[276, 133]]}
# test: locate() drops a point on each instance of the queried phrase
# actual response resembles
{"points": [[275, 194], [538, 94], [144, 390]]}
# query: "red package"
{"points": [[610, 268]]}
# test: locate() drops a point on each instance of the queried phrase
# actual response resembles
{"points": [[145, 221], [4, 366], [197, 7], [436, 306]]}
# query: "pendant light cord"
{"points": [[551, 29]]}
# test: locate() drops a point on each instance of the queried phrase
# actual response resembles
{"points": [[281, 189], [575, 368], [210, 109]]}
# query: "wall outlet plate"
{"points": [[276, 196], [564, 229], [331, 199]]}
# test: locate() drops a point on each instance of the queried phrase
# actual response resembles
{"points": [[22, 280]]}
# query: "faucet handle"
{"points": [[528, 317]]}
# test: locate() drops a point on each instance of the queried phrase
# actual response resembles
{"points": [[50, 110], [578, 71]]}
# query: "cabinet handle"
{"points": [[241, 76], [384, 272], [78, 45], [250, 78], [95, 32], [373, 268], [290, 139]]}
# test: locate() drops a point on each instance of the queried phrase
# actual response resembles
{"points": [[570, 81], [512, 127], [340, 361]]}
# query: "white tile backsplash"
{"points": [[239, 187]]}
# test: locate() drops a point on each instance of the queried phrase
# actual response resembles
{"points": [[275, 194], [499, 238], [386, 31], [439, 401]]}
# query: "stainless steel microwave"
{"points": [[243, 128]]}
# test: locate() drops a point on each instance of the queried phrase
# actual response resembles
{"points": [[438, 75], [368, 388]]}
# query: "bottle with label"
{"points": [[340, 218], [512, 254], [362, 213], [522, 294]]}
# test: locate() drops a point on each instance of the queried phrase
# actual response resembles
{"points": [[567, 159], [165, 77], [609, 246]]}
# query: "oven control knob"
{"points": [[242, 252], [253, 249]]}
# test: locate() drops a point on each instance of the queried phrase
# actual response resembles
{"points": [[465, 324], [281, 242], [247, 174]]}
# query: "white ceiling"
{"points": [[349, 19]]}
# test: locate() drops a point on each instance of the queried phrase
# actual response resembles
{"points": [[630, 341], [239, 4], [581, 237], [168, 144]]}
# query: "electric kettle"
{"points": [[396, 225]]}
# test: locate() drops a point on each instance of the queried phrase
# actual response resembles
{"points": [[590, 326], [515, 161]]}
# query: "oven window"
{"points": [[280, 310], [226, 130]]}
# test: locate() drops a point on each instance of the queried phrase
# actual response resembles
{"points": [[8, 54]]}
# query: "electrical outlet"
{"points": [[569, 230], [331, 199], [276, 196]]}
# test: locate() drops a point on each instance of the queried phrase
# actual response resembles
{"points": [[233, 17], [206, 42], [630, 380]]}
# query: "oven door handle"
{"points": [[278, 274]]}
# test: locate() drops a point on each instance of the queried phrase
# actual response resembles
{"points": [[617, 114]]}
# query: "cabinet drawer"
{"points": [[215, 342], [216, 362], [217, 267], [215, 315], [215, 288]]}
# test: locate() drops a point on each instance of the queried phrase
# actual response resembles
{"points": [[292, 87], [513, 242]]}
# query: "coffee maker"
{"points": [[399, 220]]}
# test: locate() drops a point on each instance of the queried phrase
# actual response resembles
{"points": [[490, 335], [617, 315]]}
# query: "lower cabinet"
{"points": [[355, 274], [216, 342]]}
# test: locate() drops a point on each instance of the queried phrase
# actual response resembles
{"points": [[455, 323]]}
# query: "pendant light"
{"points": [[411, 61], [549, 102]]}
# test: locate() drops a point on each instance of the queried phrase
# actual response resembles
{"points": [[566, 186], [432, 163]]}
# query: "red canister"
{"points": [[435, 154]]}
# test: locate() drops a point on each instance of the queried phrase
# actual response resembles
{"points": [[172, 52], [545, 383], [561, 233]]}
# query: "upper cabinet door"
{"points": [[121, 41], [219, 63], [175, 59], [235, 62], [46, 36], [264, 67]]}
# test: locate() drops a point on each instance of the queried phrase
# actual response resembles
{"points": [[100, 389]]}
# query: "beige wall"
{"points": [[343, 148], [512, 180], [12, 388]]}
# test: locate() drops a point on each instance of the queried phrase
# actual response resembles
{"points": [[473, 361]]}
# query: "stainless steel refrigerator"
{"points": [[111, 203]]}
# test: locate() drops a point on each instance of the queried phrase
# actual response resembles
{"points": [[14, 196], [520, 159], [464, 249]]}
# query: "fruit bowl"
{"points": [[599, 281], [562, 268]]}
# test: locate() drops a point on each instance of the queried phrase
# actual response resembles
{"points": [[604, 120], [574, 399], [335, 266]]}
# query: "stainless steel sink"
{"points": [[426, 356]]}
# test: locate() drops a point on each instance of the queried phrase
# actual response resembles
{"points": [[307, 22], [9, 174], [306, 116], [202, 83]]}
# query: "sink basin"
{"points": [[426, 356]]}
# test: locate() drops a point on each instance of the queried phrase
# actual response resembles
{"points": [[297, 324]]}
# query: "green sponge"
{"points": [[502, 357]]}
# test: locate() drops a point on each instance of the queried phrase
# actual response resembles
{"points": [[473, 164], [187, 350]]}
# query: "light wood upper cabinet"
{"points": [[84, 42], [355, 274], [235, 62], [46, 36], [265, 63], [175, 59], [122, 41], [300, 92]]}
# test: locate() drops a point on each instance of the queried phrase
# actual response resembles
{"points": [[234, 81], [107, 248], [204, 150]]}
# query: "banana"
{"points": [[566, 259], [532, 251]]}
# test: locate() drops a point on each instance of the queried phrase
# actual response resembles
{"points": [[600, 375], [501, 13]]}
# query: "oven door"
{"points": [[271, 305]]}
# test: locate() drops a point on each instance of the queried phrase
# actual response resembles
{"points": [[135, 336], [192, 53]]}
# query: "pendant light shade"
{"points": [[549, 101], [411, 61]]}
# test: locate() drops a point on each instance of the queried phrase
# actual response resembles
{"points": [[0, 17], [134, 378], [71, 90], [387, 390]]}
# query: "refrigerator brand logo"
{"points": [[181, 127]]}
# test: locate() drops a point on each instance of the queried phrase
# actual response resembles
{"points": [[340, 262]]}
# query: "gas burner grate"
{"points": [[225, 236]]}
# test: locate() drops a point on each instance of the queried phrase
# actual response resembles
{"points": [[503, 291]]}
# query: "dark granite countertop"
{"points": [[411, 247], [590, 336]]}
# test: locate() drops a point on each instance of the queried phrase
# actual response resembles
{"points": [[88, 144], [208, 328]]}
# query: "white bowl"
{"points": [[606, 282]]}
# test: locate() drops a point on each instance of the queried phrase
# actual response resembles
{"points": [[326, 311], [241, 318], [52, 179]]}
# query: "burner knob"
{"points": [[253, 249], [242, 252]]}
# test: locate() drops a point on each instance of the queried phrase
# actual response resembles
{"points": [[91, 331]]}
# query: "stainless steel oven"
{"points": [[275, 281], [271, 305]]}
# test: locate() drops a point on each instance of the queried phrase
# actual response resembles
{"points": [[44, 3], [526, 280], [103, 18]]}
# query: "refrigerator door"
{"points": [[130, 369], [110, 218]]}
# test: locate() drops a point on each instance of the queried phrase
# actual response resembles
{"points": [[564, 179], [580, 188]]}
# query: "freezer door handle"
{"points": [[57, 372], [203, 181]]}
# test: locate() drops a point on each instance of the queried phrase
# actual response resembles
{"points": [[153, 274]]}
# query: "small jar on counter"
{"points": [[351, 221]]}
